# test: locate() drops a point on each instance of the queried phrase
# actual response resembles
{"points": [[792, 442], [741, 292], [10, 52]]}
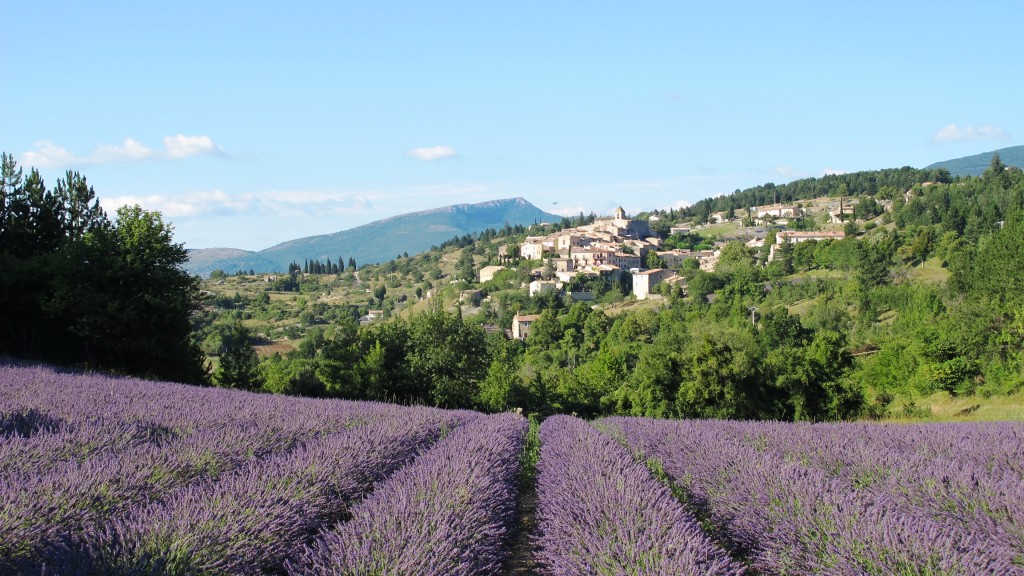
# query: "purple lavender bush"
{"points": [[81, 455], [787, 518], [963, 476], [446, 514], [602, 512], [250, 520], [70, 498]]}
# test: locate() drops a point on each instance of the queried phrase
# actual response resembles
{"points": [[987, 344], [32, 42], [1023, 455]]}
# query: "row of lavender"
{"points": [[450, 513], [848, 498], [602, 512], [103, 476], [969, 476]]}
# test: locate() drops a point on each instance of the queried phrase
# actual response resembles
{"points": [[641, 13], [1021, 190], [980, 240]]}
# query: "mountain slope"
{"points": [[975, 165], [230, 260], [378, 241]]}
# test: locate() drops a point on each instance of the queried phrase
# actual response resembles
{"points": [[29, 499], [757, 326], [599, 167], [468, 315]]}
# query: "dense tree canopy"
{"points": [[78, 288]]}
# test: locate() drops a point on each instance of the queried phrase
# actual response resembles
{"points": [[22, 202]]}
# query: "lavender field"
{"points": [[101, 475]]}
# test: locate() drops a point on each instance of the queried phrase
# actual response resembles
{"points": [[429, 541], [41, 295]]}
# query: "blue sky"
{"points": [[251, 123]]}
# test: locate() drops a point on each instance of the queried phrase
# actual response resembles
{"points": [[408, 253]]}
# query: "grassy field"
{"points": [[930, 272], [632, 305], [942, 407]]}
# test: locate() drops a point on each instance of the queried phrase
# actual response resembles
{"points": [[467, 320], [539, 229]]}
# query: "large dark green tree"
{"points": [[447, 357], [80, 289], [239, 367]]}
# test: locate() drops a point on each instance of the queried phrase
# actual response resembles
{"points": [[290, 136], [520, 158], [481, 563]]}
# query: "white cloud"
{"points": [[130, 149], [182, 146], [834, 172], [432, 152], [49, 155], [954, 133], [680, 204]]}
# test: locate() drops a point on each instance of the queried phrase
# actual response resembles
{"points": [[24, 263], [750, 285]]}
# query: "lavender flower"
{"points": [[447, 514], [602, 512]]}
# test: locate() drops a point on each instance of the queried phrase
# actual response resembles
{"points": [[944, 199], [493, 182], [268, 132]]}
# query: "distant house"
{"points": [[776, 210], [643, 282], [608, 271], [540, 286], [521, 325], [674, 258], [563, 264], [708, 262], [844, 214], [533, 247], [371, 317], [591, 257], [487, 273], [624, 260], [570, 240]]}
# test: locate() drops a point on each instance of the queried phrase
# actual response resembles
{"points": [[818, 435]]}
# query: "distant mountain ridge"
{"points": [[377, 241], [975, 165]]}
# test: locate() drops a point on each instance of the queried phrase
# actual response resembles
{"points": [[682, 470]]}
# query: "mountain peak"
{"points": [[381, 240]]}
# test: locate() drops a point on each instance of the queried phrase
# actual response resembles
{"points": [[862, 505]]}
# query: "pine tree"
{"points": [[239, 365]]}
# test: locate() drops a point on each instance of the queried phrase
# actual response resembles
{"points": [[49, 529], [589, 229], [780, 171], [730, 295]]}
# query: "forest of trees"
{"points": [[78, 288]]}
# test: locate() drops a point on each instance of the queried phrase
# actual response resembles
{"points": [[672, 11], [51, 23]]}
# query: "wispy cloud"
{"points": [[432, 152], [50, 155], [276, 202], [954, 133], [190, 204], [834, 171], [305, 203], [788, 172], [561, 210]]}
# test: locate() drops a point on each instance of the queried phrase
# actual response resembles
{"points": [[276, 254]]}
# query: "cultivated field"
{"points": [[101, 475]]}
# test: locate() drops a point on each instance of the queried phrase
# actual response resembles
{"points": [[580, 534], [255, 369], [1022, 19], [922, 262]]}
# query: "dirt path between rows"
{"points": [[520, 561]]}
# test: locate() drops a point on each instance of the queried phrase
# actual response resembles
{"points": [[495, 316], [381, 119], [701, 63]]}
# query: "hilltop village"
{"points": [[612, 246]]}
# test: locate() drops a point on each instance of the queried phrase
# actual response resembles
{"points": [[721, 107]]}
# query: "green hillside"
{"points": [[377, 241], [976, 165]]}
